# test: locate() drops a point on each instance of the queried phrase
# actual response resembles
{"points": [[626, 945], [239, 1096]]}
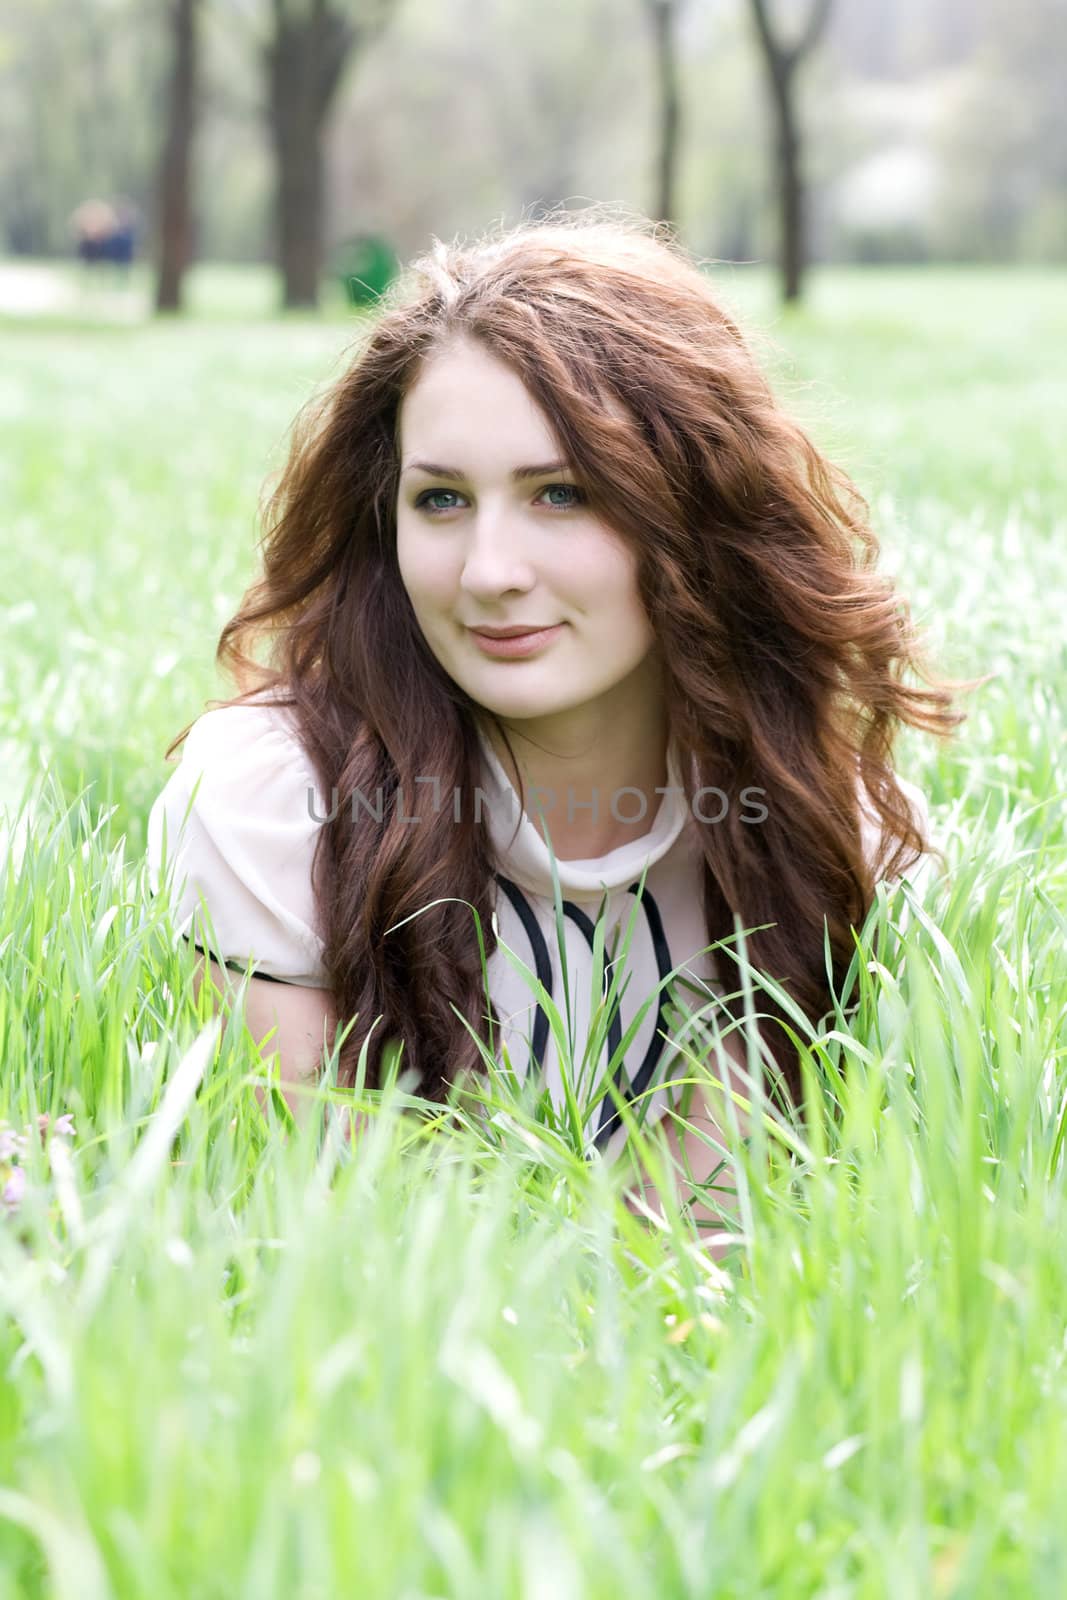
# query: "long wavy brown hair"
{"points": [[784, 650]]}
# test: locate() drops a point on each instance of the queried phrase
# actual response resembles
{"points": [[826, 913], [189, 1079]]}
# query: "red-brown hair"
{"points": [[784, 649]]}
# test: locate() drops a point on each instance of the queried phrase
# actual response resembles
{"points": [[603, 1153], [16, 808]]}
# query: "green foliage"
{"points": [[239, 1356]]}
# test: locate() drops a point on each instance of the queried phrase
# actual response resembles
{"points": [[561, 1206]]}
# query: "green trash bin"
{"points": [[365, 264]]}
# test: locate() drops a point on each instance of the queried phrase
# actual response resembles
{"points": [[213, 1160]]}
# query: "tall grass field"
{"points": [[243, 1357]]}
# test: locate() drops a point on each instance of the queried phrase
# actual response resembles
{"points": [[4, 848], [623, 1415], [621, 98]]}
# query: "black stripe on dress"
{"points": [[610, 1119], [542, 964]]}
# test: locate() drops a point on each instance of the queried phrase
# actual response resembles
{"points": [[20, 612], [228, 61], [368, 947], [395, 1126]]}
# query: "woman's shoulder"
{"points": [[237, 825], [245, 770], [233, 740]]}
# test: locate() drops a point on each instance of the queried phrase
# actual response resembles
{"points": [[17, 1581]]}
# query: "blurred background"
{"points": [[325, 139]]}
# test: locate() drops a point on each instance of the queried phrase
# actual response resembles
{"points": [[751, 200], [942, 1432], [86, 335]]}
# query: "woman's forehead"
{"points": [[479, 405], [465, 388]]}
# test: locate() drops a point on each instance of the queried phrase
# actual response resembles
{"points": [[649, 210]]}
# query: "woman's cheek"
{"points": [[414, 559]]}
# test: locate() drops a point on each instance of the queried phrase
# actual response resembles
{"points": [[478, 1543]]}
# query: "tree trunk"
{"points": [[781, 62], [792, 234], [305, 61], [175, 201], [664, 15]]}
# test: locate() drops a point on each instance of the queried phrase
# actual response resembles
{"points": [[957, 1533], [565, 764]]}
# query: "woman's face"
{"points": [[480, 546]]}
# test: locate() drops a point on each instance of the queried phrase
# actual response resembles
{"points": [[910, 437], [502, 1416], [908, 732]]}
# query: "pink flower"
{"points": [[14, 1188], [11, 1143], [63, 1124]]}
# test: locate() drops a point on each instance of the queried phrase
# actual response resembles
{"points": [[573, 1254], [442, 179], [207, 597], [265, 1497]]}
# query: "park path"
{"points": [[47, 288]]}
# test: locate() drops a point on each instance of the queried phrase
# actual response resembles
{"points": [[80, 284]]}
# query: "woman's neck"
{"points": [[596, 769]]}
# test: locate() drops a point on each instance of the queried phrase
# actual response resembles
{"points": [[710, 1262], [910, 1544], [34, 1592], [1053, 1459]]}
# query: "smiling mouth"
{"points": [[515, 645], [514, 633]]}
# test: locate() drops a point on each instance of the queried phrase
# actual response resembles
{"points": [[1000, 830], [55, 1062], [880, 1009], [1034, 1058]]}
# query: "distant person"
{"points": [[93, 223], [105, 236]]}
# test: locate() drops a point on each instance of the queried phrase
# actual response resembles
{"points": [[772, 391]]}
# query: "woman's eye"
{"points": [[432, 494], [570, 489]]}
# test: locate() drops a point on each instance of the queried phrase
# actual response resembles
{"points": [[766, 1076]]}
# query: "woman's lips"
{"points": [[520, 644]]}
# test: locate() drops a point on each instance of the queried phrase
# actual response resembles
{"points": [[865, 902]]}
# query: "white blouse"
{"points": [[234, 831]]}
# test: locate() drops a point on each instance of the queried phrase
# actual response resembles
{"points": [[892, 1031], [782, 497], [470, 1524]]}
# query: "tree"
{"points": [[312, 42], [664, 15], [782, 61], [175, 200]]}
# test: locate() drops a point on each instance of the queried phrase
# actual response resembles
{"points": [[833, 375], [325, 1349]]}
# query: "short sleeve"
{"points": [[234, 832], [923, 869]]}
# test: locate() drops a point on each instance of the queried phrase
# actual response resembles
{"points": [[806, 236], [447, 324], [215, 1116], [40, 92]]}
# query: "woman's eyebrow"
{"points": [[520, 473]]}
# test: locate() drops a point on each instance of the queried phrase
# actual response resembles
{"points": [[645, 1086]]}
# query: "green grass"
{"points": [[239, 1359]]}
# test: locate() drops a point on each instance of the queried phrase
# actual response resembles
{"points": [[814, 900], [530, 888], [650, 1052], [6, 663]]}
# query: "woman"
{"points": [[556, 432]]}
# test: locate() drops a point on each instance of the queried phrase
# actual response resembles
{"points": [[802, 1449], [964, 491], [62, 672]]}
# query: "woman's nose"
{"points": [[495, 559]]}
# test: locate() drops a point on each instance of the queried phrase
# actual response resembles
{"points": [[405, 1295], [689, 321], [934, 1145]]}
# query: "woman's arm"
{"points": [[695, 1156], [304, 1021]]}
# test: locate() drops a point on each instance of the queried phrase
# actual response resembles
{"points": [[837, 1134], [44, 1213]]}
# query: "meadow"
{"points": [[240, 1358]]}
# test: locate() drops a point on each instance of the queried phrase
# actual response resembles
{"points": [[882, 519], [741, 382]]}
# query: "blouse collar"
{"points": [[523, 856]]}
